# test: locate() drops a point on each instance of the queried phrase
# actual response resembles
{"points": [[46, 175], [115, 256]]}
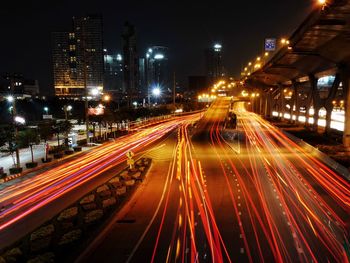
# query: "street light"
{"points": [[46, 109], [156, 91], [20, 120], [67, 108], [106, 97], [95, 92], [11, 100]]}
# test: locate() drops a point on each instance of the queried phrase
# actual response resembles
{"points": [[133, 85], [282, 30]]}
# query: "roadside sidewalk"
{"points": [[7, 161]]}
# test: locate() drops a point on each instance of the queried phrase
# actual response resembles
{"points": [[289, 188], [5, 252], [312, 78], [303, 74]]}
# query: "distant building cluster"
{"points": [[83, 67], [18, 85], [81, 64]]}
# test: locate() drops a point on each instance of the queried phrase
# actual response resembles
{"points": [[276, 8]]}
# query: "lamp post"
{"points": [[148, 74], [67, 109], [12, 100], [156, 92]]}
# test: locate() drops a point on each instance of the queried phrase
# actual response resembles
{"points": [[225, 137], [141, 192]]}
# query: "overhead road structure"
{"points": [[319, 47]]}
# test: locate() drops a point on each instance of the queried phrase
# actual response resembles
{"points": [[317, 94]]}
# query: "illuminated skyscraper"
{"points": [[157, 68], [72, 50], [215, 69], [113, 79]]}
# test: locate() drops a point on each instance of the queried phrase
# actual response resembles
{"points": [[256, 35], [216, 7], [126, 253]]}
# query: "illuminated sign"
{"points": [[270, 44], [99, 110]]}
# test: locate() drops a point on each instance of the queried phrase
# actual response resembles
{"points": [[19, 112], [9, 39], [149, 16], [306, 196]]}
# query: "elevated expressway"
{"points": [[288, 82]]}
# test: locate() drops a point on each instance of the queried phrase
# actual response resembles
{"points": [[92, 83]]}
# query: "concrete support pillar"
{"points": [[315, 98], [296, 101], [329, 102], [316, 117], [267, 104], [328, 119], [282, 102], [346, 88], [261, 104]]}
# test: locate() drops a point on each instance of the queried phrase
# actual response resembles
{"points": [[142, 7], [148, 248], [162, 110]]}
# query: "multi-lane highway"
{"points": [[29, 203], [210, 196], [261, 198]]}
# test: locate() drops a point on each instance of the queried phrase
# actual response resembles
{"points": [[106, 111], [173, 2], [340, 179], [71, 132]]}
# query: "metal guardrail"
{"points": [[340, 169]]}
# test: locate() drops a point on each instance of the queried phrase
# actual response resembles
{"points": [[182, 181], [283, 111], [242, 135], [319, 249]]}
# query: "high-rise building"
{"points": [[74, 50], [158, 74], [215, 69], [19, 86], [113, 75], [130, 62], [142, 78]]}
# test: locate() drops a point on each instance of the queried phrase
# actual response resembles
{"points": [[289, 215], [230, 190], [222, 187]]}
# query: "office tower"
{"points": [[113, 74], [130, 62], [71, 51], [142, 78], [158, 73], [214, 65]]}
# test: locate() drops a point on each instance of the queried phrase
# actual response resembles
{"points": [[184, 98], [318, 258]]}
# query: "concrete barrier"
{"points": [[343, 171]]}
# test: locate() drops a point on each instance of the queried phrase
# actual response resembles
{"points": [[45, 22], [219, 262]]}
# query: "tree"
{"points": [[63, 127], [28, 138], [45, 130], [3, 137], [8, 139]]}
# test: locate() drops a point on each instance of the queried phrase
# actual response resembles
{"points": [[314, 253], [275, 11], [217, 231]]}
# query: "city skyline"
{"points": [[155, 23], [197, 132]]}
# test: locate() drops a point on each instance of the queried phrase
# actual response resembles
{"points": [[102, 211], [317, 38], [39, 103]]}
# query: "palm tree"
{"points": [[63, 127], [28, 138]]}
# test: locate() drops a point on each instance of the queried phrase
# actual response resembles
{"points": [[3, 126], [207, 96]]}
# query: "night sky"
{"points": [[186, 27]]}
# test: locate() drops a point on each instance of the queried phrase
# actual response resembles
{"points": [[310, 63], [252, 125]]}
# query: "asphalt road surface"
{"points": [[38, 197], [245, 195]]}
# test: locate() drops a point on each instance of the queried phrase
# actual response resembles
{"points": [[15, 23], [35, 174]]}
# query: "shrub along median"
{"points": [[61, 238]]}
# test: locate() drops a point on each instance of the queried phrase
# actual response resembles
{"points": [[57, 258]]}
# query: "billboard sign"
{"points": [[99, 110], [270, 44], [47, 117]]}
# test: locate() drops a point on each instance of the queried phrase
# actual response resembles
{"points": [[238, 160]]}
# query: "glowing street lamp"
{"points": [[284, 41], [67, 108], [46, 109], [95, 92], [20, 120], [156, 92], [106, 97], [10, 98], [15, 119]]}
